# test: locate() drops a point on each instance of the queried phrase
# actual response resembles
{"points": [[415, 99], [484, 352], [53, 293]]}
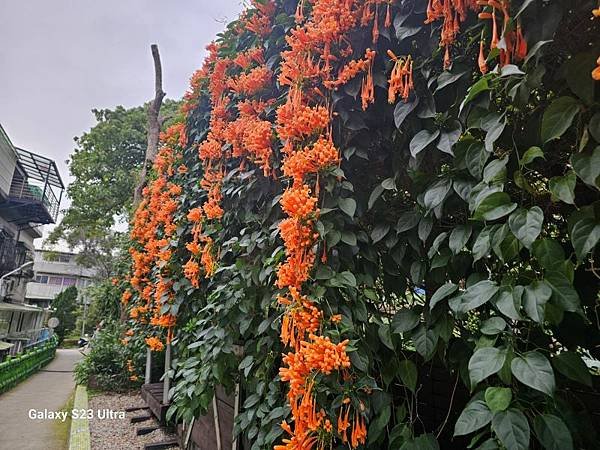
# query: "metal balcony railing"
{"points": [[22, 189]]}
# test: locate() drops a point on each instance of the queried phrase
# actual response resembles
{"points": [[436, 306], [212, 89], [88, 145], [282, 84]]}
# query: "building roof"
{"points": [[39, 167]]}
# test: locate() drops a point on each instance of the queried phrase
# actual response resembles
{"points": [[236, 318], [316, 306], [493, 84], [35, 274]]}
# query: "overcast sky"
{"points": [[61, 58]]}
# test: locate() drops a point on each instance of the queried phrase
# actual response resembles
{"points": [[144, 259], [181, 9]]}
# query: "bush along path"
{"points": [[360, 190]]}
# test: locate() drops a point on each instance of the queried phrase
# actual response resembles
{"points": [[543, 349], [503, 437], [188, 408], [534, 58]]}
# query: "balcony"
{"points": [[35, 191], [13, 254]]}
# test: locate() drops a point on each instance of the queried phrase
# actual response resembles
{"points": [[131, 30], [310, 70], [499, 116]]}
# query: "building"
{"points": [[54, 272], [30, 195]]}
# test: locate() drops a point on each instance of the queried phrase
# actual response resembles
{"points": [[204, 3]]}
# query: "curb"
{"points": [[79, 437]]}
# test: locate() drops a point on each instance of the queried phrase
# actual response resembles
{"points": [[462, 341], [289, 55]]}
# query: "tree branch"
{"points": [[153, 125]]}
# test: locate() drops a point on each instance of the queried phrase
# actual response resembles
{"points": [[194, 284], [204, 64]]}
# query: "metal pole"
{"points": [[236, 410], [85, 305], [217, 424], [166, 381], [148, 366]]}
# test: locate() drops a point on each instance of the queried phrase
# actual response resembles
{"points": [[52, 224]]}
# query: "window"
{"points": [[41, 279], [64, 258], [68, 281], [55, 280]]}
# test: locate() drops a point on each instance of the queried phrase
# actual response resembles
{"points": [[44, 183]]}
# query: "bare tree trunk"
{"points": [[153, 125]]}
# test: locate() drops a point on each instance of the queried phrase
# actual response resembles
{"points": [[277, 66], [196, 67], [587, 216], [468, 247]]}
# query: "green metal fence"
{"points": [[17, 368]]}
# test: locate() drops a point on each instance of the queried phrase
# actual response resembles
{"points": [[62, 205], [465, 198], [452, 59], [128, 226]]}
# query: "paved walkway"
{"points": [[48, 390]]}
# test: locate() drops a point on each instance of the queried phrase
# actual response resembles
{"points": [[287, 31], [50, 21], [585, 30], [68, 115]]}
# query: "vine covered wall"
{"points": [[363, 190]]}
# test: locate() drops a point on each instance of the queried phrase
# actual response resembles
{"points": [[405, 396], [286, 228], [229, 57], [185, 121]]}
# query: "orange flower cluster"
{"points": [[401, 78], [153, 226], [252, 82], [237, 86], [453, 12], [304, 126], [155, 344], [515, 46]]}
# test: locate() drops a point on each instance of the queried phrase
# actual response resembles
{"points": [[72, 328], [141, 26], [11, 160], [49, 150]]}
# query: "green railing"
{"points": [[17, 368]]}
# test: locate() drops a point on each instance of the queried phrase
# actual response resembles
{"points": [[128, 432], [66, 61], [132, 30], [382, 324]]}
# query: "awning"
{"points": [[19, 307], [5, 345]]}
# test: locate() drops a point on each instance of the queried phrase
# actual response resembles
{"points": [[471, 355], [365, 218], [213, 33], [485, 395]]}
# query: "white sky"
{"points": [[61, 58]]}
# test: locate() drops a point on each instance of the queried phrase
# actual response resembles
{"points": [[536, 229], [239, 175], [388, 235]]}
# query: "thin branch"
{"points": [[153, 124], [449, 408]]}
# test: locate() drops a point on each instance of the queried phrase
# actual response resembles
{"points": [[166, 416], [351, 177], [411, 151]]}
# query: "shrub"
{"points": [[110, 365]]}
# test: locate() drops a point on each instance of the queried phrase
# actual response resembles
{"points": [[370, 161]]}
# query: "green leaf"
{"points": [[508, 301], [405, 320], [407, 221], [377, 191], [348, 237], [421, 140], [558, 117], [534, 370], [348, 205], [478, 87], [498, 398], [346, 278], [447, 78], [449, 136], [494, 206], [436, 193], [482, 245], [526, 224], [587, 164], [384, 336], [530, 155], [495, 171], [378, 425], [493, 326], [388, 184], [459, 237], [443, 292], [494, 131], [425, 341], [562, 290], [577, 70], [403, 109], [572, 366], [422, 442], [475, 296], [512, 429], [563, 187], [475, 159], [475, 416], [535, 297], [408, 374], [585, 236], [379, 232], [535, 49], [489, 444], [484, 363], [548, 253], [552, 433]]}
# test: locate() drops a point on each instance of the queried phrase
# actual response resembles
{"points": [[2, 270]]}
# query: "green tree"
{"points": [[65, 305], [105, 165]]}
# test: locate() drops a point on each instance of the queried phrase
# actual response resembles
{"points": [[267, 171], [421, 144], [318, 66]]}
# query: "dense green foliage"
{"points": [[65, 308], [108, 365], [461, 231]]}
